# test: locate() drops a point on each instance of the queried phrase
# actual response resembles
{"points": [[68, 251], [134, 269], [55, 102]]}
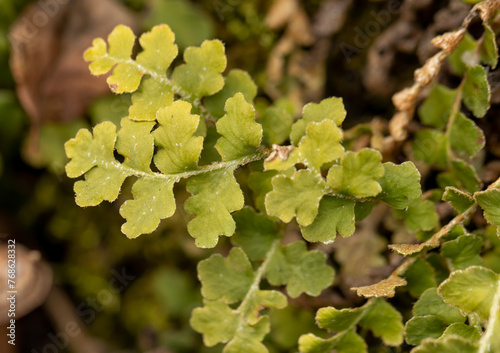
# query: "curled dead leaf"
{"points": [[53, 81], [428, 73], [406, 99], [449, 41]]}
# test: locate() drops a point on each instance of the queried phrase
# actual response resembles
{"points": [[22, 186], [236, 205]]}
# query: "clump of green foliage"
{"points": [[190, 122]]}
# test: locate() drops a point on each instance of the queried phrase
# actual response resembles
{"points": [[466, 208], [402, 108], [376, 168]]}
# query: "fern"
{"points": [[192, 122]]}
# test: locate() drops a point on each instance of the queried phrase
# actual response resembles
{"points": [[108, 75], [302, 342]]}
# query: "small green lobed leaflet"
{"points": [[93, 156], [241, 135], [489, 201], [463, 251], [330, 109], [335, 215], [179, 149], [432, 317], [471, 290], [201, 75], [293, 265], [344, 322], [295, 196], [460, 200], [357, 174], [420, 214], [215, 196]]}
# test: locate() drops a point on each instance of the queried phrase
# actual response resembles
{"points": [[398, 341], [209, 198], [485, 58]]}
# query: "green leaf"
{"points": [[430, 303], [338, 320], [87, 151], [237, 81], [152, 95], [153, 201], [298, 195], [465, 136], [121, 42], [180, 149], [101, 184], [463, 55], [471, 333], [215, 195], [93, 155], [158, 53], [268, 299], [400, 184], [201, 75], [488, 49], [357, 173], [302, 271], [276, 124], [472, 290], [320, 145], [435, 111], [255, 233], [465, 175], [476, 91], [241, 135], [463, 252], [419, 328], [216, 321], [420, 277], [451, 344], [249, 338], [419, 215], [429, 146], [348, 342], [227, 279], [489, 200], [159, 50], [334, 215], [329, 108], [97, 54], [135, 143], [126, 76], [380, 311], [460, 200]]}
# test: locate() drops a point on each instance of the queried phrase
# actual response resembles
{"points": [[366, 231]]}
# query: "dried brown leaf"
{"points": [[410, 249], [487, 9], [385, 288], [53, 80]]}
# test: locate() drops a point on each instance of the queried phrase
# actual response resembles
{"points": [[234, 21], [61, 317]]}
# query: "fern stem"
{"points": [[242, 308], [203, 169]]}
